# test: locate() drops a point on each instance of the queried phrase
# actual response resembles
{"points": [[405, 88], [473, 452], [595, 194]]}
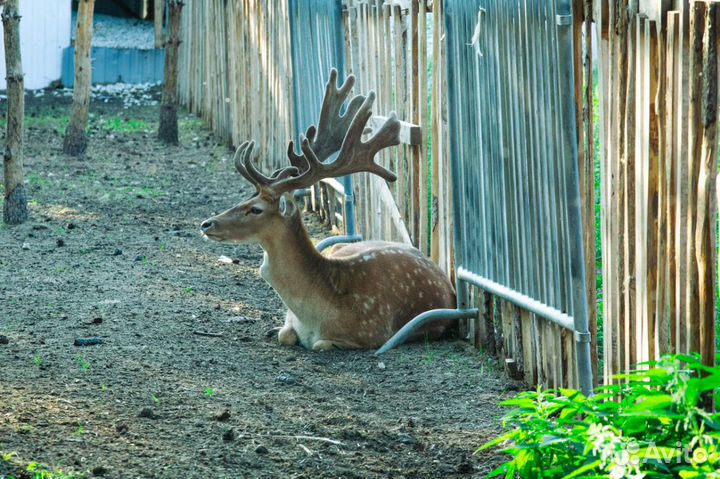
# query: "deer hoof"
{"points": [[323, 345], [287, 336]]}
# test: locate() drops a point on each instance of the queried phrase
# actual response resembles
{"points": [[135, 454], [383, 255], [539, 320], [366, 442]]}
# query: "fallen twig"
{"points": [[297, 438], [310, 438], [205, 333]]}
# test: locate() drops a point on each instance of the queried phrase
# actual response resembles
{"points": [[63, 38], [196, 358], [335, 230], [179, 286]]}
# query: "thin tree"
{"points": [[15, 206], [168, 131], [75, 142]]}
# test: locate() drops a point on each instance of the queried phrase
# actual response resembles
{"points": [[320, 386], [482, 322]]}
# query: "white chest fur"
{"points": [[306, 312]]}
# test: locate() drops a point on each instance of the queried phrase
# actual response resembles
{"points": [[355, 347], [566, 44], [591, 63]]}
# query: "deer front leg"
{"points": [[287, 335], [323, 345]]}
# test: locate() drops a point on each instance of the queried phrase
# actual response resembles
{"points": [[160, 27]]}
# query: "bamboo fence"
{"points": [[658, 128], [235, 72], [658, 84]]}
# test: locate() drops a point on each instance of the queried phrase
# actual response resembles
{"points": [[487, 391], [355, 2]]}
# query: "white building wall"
{"points": [[44, 34]]}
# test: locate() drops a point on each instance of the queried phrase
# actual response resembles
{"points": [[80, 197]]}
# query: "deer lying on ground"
{"points": [[358, 294]]}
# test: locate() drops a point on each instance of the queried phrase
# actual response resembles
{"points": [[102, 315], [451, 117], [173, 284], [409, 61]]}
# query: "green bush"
{"points": [[653, 425]]}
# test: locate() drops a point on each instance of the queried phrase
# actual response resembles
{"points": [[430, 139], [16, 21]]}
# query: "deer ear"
{"points": [[286, 205]]}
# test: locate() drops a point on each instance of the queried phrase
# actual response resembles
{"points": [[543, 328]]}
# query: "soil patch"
{"points": [[188, 379]]}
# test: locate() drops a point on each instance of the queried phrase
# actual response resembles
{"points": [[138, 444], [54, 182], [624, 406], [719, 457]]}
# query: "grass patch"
{"points": [[12, 467], [124, 125]]}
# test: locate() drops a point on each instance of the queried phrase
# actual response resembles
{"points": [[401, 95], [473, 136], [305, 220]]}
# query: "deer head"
{"points": [[260, 216]]}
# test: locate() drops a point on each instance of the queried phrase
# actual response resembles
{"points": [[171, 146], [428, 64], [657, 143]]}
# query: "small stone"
{"points": [[26, 246], [60, 242], [99, 471], [406, 439], [71, 226], [4, 339], [225, 260], [465, 468], [118, 252], [381, 365], [229, 435], [88, 341], [286, 378], [121, 428], [261, 449], [97, 321], [223, 416], [139, 258], [147, 412], [240, 319]]}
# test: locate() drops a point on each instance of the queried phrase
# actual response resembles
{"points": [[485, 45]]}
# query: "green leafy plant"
{"points": [[84, 363], [38, 360], [652, 425], [209, 392]]}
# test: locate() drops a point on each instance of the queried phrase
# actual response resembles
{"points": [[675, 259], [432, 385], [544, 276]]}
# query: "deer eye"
{"points": [[254, 211]]}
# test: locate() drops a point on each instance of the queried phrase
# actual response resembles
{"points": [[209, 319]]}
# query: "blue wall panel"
{"points": [[112, 65]]}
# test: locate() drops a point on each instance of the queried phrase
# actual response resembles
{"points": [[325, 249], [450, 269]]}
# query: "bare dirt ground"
{"points": [[113, 251]]}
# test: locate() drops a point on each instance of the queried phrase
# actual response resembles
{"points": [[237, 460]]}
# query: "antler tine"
{"points": [[327, 138], [238, 160], [244, 165], [355, 155]]}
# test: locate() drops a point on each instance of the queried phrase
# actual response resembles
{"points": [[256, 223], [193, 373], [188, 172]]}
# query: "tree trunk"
{"points": [[15, 206], [168, 131], [75, 142]]}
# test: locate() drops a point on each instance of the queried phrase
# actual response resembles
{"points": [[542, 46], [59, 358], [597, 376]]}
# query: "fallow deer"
{"points": [[357, 295]]}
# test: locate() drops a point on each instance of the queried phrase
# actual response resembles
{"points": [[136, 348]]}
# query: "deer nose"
{"points": [[207, 225]]}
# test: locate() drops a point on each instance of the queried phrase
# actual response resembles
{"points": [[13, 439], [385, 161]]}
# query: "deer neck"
{"points": [[291, 264]]}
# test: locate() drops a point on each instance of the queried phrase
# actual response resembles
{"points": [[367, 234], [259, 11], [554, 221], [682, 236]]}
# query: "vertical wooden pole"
{"points": [[652, 211], [75, 142], [695, 141], [168, 130], [158, 17], [436, 124], [628, 351], [706, 217], [15, 206], [671, 160]]}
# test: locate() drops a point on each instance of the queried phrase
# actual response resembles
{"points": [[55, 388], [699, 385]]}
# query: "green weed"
{"points": [[84, 363], [120, 125], [37, 471], [653, 424]]}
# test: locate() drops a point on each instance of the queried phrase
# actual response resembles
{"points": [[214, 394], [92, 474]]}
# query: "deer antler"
{"points": [[243, 163], [328, 137], [355, 155], [335, 132]]}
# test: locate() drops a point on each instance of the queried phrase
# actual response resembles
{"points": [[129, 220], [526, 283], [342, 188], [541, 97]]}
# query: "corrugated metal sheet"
{"points": [[44, 34], [318, 44], [111, 65]]}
